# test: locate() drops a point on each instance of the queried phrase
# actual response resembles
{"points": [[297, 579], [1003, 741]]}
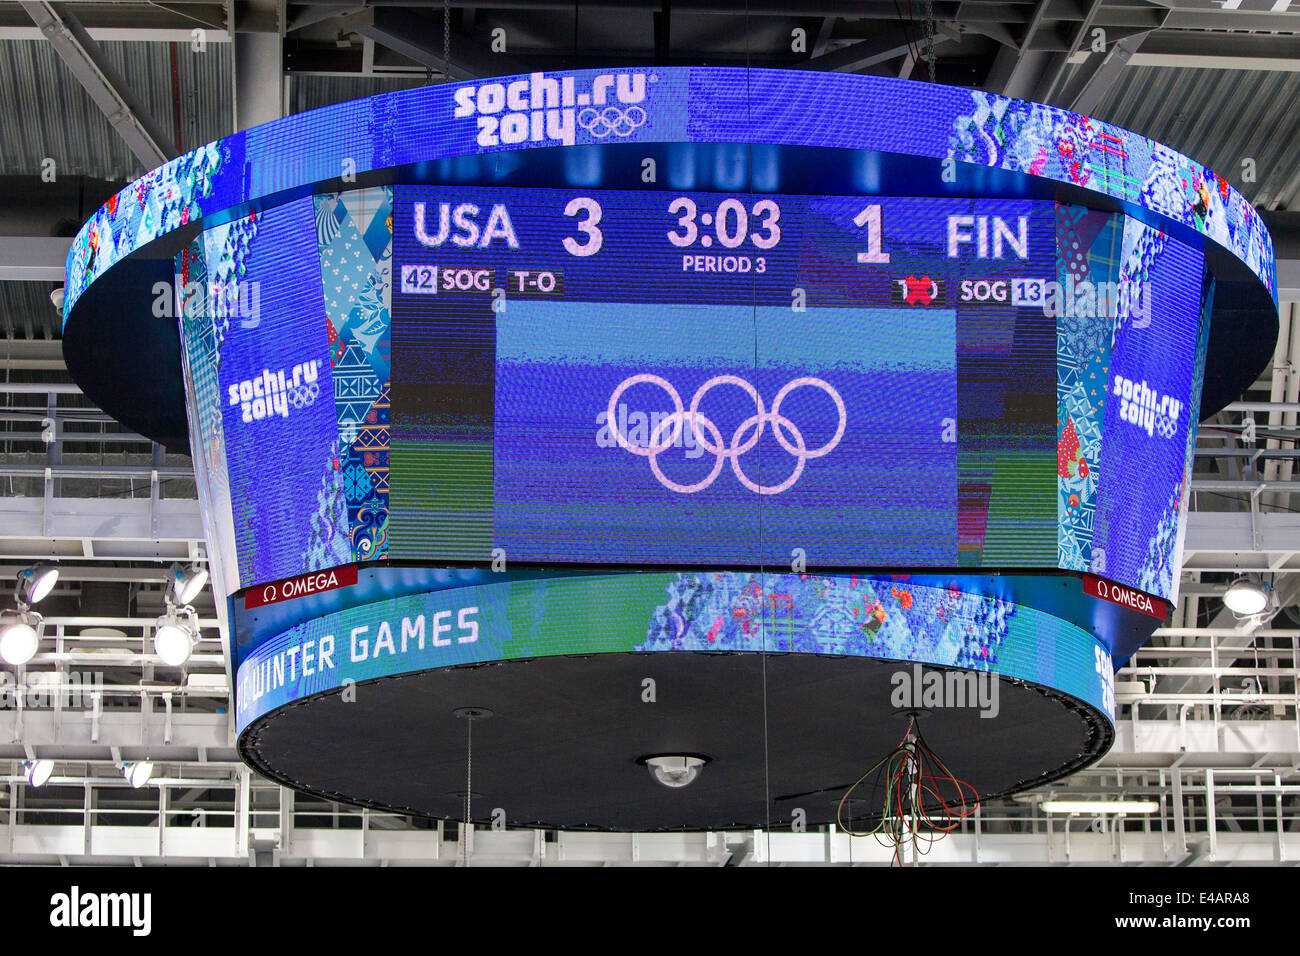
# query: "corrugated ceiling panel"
{"points": [[1219, 118], [309, 92], [48, 114], [26, 311]]}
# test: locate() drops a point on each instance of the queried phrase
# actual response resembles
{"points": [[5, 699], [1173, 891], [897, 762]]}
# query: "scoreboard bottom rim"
{"points": [[565, 741]]}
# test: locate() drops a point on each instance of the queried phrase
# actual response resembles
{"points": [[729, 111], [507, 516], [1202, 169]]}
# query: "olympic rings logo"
{"points": [[303, 395], [745, 439], [611, 119]]}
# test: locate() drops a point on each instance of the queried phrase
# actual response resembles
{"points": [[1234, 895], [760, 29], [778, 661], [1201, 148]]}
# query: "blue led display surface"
{"points": [[445, 374], [840, 615], [437, 125], [721, 378]]}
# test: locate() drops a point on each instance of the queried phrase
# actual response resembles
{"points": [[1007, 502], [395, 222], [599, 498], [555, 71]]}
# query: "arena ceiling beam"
{"points": [[100, 79]]}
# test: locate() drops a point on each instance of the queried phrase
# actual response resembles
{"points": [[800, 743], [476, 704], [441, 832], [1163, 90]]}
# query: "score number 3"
{"points": [[870, 218], [588, 226]]}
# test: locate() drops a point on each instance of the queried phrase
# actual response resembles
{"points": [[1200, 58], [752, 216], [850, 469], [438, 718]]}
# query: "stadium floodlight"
{"points": [[675, 770], [19, 636], [20, 630], [137, 774], [1100, 806], [175, 634], [38, 771], [35, 583], [187, 583], [1246, 596]]}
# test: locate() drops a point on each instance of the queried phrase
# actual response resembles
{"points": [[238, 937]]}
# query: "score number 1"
{"points": [[870, 218]]}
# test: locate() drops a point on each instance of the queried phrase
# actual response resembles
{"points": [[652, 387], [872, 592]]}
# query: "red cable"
{"points": [[176, 98]]}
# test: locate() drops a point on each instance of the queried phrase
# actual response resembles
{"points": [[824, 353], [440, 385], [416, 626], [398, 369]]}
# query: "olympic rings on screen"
{"points": [[1166, 426], [746, 436], [300, 396], [611, 119]]}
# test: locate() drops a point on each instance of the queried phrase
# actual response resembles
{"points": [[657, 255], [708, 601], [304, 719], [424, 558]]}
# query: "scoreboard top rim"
{"points": [[276, 161], [893, 137]]}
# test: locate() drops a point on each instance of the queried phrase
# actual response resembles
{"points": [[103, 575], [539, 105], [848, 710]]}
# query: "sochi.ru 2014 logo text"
{"points": [[274, 393], [543, 109], [1146, 408]]}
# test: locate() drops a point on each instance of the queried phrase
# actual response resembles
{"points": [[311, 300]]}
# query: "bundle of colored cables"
{"points": [[923, 801]]}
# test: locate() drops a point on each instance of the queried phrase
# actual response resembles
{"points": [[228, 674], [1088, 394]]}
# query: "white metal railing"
{"points": [[1211, 815]]}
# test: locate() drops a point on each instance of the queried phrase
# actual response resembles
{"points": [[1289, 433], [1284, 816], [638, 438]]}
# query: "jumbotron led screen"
{"points": [[686, 378], [718, 378]]}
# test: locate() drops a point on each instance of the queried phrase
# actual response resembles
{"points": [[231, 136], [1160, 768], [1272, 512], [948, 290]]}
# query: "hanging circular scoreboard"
{"points": [[723, 412]]}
